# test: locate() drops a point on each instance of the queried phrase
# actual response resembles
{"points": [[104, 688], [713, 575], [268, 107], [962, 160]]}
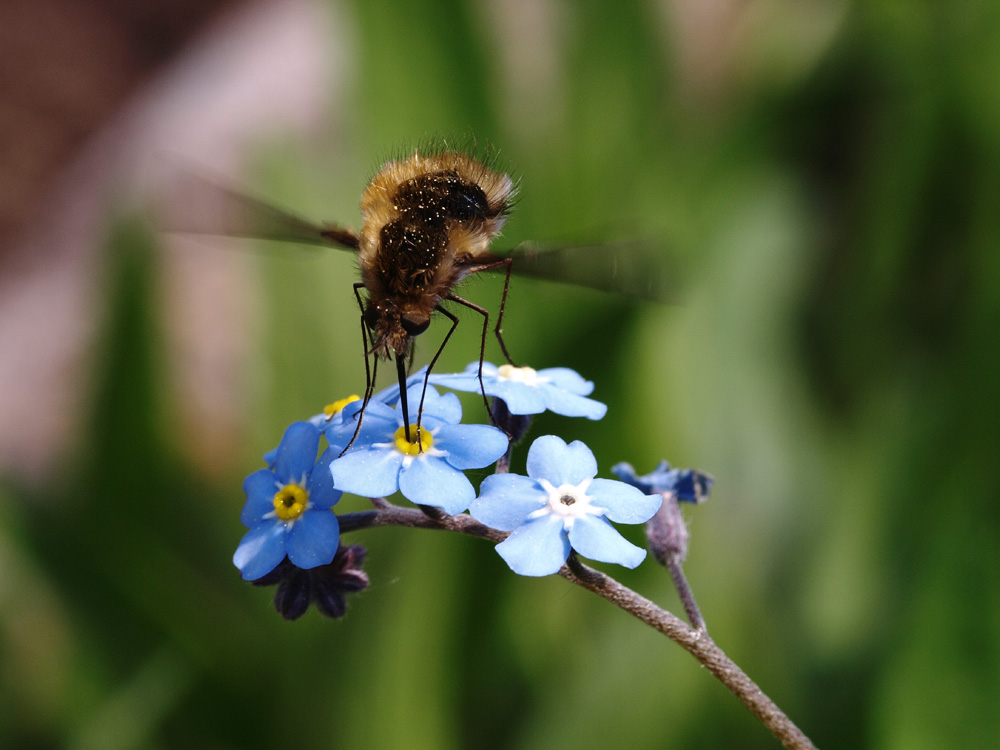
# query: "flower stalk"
{"points": [[694, 640]]}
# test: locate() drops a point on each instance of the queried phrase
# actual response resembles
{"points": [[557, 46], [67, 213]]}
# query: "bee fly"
{"points": [[427, 223]]}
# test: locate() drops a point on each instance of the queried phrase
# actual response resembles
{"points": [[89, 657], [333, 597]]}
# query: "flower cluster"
{"points": [[375, 449]]}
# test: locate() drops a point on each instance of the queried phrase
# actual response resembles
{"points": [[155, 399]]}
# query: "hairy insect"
{"points": [[427, 223]]}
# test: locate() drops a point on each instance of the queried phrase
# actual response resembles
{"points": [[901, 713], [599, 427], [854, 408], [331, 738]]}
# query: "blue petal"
{"points": [[693, 486], [431, 481], [321, 490], [567, 380], [471, 446], [260, 550], [594, 537], [519, 397], [572, 405], [505, 500], [447, 408], [260, 487], [623, 502], [313, 539], [538, 548], [661, 479], [550, 458], [297, 452], [467, 380], [378, 425], [369, 472]]}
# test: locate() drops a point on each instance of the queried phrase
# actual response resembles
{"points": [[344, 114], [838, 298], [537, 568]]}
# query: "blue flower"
{"points": [[288, 508], [528, 391], [428, 472], [688, 485], [560, 505]]}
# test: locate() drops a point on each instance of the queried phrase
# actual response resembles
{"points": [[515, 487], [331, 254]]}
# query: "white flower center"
{"points": [[525, 375], [567, 501]]}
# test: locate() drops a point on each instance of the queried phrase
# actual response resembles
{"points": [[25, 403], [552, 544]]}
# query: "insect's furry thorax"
{"points": [[426, 219]]}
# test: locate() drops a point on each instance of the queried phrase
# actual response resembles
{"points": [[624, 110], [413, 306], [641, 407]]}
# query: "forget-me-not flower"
{"points": [[687, 485], [558, 506], [288, 508], [427, 471], [528, 391]]}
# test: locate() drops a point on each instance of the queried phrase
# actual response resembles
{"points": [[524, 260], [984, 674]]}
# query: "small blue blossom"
{"points": [[558, 506], [288, 508], [528, 391], [688, 485], [428, 472]]}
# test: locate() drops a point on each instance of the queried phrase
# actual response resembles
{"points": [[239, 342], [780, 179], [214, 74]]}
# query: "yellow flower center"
{"points": [[518, 374], [337, 406], [290, 502], [413, 447]]}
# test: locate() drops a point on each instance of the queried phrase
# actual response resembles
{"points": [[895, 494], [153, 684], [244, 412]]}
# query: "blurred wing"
{"points": [[197, 205], [629, 268]]}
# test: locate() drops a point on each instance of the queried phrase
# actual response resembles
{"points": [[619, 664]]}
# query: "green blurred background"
{"points": [[824, 180]]}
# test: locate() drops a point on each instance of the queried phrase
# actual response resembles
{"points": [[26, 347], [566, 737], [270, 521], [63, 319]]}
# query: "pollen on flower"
{"points": [[525, 375], [330, 410], [569, 500], [290, 502], [411, 446]]}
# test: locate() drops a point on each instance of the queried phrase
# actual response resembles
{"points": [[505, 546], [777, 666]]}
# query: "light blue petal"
{"points": [[471, 446], [467, 380], [378, 424], [368, 472], [567, 380], [505, 500], [572, 405], [297, 452], [538, 548], [519, 397], [446, 408], [260, 550], [623, 502], [550, 458], [594, 537], [260, 487], [431, 481], [313, 539], [321, 490]]}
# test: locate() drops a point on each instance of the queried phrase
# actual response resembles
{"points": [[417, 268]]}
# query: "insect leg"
{"points": [[454, 324], [503, 306], [492, 265], [370, 372], [482, 345]]}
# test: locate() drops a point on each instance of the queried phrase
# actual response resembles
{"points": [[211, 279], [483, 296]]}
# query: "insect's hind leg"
{"points": [[482, 348], [497, 329]]}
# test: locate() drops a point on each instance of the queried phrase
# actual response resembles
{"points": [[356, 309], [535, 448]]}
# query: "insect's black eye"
{"points": [[371, 316], [414, 325]]}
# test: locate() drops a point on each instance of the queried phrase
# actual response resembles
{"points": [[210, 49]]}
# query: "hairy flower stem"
{"points": [[695, 640], [685, 593]]}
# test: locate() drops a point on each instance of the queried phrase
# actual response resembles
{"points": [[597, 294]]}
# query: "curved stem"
{"points": [[695, 641]]}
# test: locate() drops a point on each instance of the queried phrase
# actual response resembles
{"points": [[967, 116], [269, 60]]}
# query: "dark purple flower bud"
{"points": [[325, 586], [514, 425]]}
